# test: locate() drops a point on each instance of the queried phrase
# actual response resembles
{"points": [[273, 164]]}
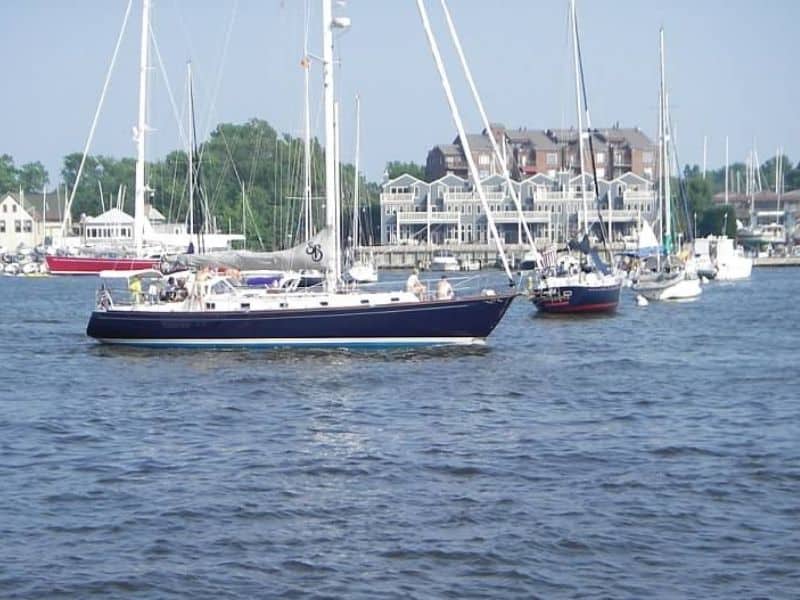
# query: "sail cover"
{"points": [[314, 254]]}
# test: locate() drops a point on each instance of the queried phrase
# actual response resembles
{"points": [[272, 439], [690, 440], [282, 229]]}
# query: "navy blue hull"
{"points": [[426, 323], [577, 299]]}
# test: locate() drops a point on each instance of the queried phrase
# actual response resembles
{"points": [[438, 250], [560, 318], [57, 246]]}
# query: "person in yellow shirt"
{"points": [[135, 288]]}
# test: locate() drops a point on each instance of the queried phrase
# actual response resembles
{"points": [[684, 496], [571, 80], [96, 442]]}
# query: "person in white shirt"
{"points": [[444, 291], [414, 285]]}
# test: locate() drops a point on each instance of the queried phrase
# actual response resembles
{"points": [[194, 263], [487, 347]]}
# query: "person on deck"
{"points": [[135, 288], [152, 293], [444, 291], [169, 290], [414, 285], [181, 293]]}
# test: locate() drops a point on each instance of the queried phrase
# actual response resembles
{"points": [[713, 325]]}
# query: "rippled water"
{"points": [[654, 454]]}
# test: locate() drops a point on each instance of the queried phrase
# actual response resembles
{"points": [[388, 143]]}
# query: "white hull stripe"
{"points": [[298, 342]]}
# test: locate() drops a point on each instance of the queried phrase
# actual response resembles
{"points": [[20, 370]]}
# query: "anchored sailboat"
{"points": [[572, 285], [215, 313], [665, 277]]}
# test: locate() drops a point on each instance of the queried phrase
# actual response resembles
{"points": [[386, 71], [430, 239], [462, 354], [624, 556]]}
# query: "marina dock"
{"points": [[777, 261]]}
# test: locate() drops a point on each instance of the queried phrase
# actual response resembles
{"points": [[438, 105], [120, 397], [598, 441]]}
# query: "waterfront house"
{"points": [[27, 219], [448, 211]]}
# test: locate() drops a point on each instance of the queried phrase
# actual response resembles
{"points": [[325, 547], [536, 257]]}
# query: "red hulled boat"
{"points": [[91, 265]]}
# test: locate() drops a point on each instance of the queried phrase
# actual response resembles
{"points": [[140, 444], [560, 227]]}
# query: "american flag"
{"points": [[549, 256]]}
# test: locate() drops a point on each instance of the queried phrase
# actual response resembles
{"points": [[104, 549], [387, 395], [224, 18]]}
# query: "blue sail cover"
{"points": [[599, 264]]}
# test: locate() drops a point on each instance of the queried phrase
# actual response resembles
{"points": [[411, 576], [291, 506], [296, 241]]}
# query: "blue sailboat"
{"points": [[573, 285], [214, 312]]}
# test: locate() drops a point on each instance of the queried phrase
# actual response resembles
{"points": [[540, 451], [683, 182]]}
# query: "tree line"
{"points": [[711, 218], [250, 179]]}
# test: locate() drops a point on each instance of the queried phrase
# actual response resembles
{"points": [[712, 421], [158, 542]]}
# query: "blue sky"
{"points": [[729, 71]]}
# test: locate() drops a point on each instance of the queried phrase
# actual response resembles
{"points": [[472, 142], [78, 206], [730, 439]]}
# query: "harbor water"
{"points": [[651, 454]]}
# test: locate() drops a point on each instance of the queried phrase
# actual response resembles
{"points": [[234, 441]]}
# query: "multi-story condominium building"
{"points": [[449, 211], [531, 151]]}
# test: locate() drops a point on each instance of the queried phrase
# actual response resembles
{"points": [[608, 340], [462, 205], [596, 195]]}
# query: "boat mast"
{"points": [[473, 170], [307, 134], [141, 131], [578, 108], [667, 178], [666, 225], [751, 185], [778, 180], [726, 169], [337, 152], [191, 154], [355, 183], [331, 201], [585, 98]]}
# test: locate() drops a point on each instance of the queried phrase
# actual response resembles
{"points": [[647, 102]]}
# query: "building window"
{"points": [[5, 208], [28, 226], [2, 226], [647, 158], [619, 157], [601, 157], [18, 225], [483, 159], [552, 159]]}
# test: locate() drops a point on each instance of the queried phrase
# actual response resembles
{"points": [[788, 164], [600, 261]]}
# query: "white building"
{"points": [[27, 220], [115, 228], [449, 210]]}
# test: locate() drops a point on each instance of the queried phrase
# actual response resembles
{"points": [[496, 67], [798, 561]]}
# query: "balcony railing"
{"points": [[473, 196], [436, 216], [637, 197], [399, 197], [531, 216], [621, 215]]}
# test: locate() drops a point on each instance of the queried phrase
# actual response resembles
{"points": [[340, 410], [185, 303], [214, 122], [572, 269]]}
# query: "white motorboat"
{"points": [[731, 262], [363, 271], [444, 261]]}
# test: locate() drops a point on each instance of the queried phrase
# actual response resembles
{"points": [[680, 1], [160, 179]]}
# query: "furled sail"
{"points": [[316, 253], [648, 242]]}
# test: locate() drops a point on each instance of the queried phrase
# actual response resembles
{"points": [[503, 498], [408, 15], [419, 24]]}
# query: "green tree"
{"points": [[33, 177], [699, 191], [8, 174], [395, 168], [717, 220], [249, 161]]}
